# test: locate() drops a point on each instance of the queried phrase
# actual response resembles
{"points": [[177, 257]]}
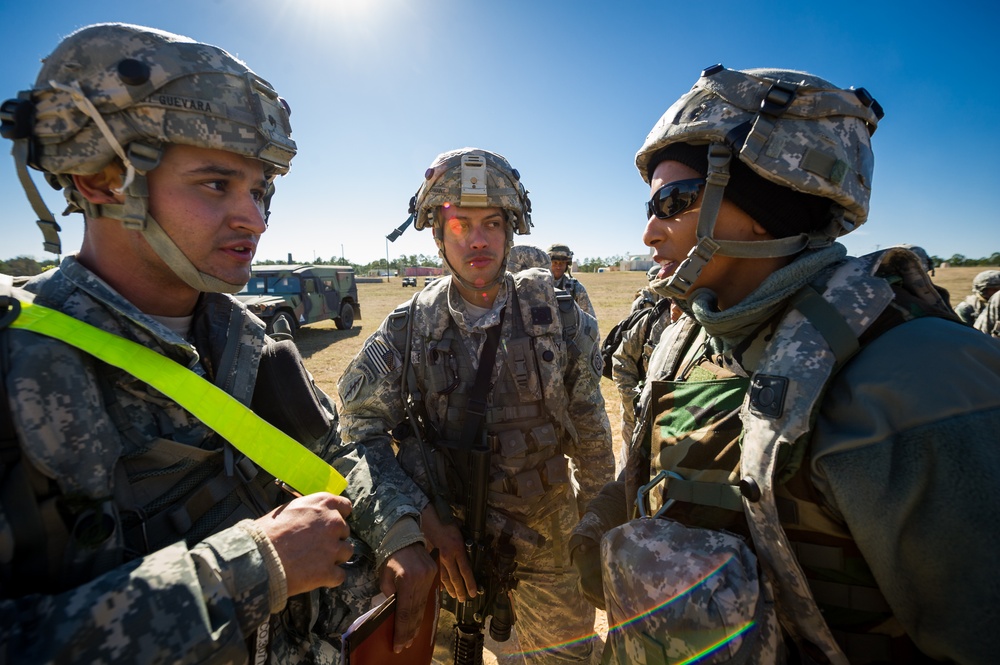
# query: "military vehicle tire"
{"points": [[346, 319], [286, 318]]}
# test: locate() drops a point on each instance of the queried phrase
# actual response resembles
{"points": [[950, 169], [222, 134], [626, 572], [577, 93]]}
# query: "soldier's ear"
{"points": [[100, 187]]}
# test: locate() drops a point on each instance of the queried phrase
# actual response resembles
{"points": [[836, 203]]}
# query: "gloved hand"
{"points": [[586, 556]]}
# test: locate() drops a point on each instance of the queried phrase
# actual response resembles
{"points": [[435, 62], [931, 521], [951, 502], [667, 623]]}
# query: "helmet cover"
{"points": [[154, 87], [790, 127], [559, 252], [470, 177]]}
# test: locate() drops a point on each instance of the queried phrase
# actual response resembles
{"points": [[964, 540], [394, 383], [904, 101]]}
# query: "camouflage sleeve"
{"points": [[625, 372], [989, 319], [175, 605], [593, 455], [582, 299], [913, 471], [369, 391]]}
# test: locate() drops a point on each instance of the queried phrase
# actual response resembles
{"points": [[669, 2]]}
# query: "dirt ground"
{"points": [[327, 351]]}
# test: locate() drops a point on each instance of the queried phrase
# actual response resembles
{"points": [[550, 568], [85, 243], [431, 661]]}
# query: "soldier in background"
{"points": [[418, 376], [984, 285], [812, 474], [132, 532], [988, 320], [562, 260]]}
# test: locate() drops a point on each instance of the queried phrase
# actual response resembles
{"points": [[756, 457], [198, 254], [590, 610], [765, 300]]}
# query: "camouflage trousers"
{"points": [[554, 623], [677, 594]]}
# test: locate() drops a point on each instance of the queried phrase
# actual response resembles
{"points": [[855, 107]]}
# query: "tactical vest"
{"points": [[186, 483], [732, 452], [526, 420]]}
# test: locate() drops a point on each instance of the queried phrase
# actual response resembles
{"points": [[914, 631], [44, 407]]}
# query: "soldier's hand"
{"points": [[456, 570], [586, 556], [310, 535], [409, 573]]}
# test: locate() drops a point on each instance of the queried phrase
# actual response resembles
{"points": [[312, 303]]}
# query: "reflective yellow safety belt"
{"points": [[273, 450]]}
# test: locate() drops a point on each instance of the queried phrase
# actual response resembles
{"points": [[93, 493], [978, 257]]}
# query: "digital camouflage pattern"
{"points": [[559, 252], [116, 91], [820, 144], [522, 257], [448, 181], [983, 286], [90, 428], [773, 437], [988, 320], [152, 86], [630, 361], [444, 354], [676, 594]]}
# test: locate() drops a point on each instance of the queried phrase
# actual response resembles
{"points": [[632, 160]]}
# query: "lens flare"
{"points": [[707, 651]]}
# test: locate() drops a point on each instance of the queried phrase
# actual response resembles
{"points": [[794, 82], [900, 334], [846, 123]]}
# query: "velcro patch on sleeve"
{"points": [[381, 357]]}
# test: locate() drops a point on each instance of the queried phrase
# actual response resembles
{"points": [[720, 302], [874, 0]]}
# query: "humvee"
{"points": [[295, 295]]}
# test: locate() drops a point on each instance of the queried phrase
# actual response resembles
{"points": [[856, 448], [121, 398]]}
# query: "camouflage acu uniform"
{"points": [[535, 417], [579, 292], [180, 578], [970, 308], [864, 542], [988, 320], [629, 363]]}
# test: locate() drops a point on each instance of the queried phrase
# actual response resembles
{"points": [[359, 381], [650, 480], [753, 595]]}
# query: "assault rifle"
{"points": [[493, 565]]}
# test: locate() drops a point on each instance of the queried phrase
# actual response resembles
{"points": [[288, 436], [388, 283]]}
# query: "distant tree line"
{"points": [[25, 266], [959, 260], [398, 263], [21, 266]]}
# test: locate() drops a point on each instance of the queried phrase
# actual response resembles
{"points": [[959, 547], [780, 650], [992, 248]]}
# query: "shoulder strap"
{"points": [[269, 447], [476, 409], [777, 413]]}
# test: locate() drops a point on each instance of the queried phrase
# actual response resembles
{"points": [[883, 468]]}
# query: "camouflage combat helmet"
{"points": [[473, 178], [790, 128], [987, 279], [559, 252], [117, 91]]}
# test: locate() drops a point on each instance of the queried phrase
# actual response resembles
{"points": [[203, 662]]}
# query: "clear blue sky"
{"points": [[567, 91]]}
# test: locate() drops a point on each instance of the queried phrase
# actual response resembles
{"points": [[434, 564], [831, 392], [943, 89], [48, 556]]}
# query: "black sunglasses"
{"points": [[674, 198]]}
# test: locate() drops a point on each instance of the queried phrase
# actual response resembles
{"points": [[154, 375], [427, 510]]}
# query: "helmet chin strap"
{"points": [[171, 254], [133, 213], [466, 283], [679, 284]]}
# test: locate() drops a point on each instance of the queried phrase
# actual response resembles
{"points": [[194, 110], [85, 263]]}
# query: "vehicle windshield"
{"points": [[261, 284]]}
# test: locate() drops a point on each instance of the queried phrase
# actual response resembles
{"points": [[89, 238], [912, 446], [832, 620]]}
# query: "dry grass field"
{"points": [[327, 351]]}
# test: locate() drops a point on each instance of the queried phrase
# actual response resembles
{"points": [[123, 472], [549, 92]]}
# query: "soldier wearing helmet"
{"points": [[988, 320], [803, 424], [561, 257], [113, 495], [984, 285], [537, 408]]}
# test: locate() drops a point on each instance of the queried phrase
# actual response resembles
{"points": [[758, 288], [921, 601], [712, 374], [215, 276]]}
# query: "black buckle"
{"points": [[778, 98], [10, 308], [17, 119]]}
